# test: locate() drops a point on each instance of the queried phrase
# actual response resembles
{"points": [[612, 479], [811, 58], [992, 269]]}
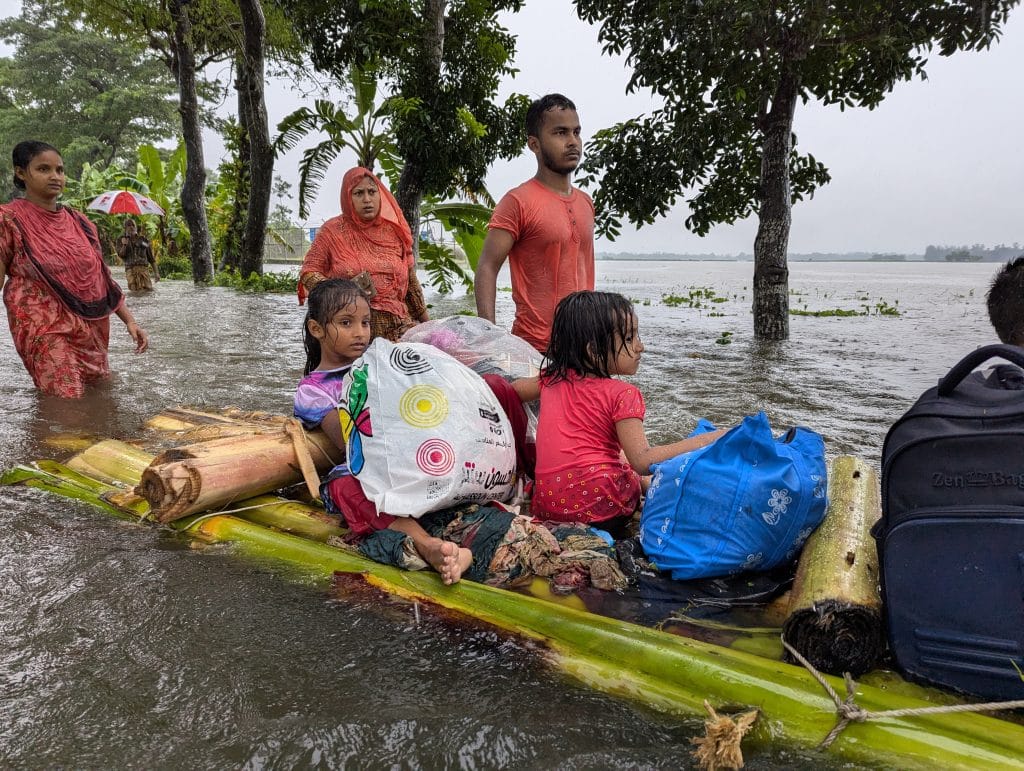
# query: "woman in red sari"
{"points": [[59, 293], [370, 243]]}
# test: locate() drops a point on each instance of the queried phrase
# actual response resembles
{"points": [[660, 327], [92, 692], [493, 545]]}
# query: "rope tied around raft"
{"points": [[849, 711]]}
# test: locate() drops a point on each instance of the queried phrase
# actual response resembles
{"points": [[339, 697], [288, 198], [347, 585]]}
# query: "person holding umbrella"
{"points": [[59, 292], [137, 255]]}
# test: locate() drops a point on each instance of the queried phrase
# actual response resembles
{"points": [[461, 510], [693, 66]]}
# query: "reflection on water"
{"points": [[123, 647]]}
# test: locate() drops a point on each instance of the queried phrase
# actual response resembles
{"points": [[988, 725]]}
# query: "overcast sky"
{"points": [[939, 162]]}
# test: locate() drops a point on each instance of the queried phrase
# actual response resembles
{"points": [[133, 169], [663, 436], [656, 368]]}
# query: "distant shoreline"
{"points": [[668, 257]]}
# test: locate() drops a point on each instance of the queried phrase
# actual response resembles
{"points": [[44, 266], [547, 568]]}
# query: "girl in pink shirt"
{"points": [[591, 446]]}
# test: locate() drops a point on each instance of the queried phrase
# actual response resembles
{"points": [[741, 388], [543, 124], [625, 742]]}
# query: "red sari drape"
{"points": [[59, 295]]}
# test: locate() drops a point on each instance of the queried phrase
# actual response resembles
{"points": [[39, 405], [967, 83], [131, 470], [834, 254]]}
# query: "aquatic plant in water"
{"points": [[268, 282], [841, 312], [880, 308], [694, 298]]}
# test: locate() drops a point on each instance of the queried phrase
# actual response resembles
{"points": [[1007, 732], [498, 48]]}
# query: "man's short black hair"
{"points": [[535, 113], [1005, 302]]}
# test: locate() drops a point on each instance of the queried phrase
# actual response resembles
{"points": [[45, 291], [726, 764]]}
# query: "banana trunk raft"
{"points": [[665, 671]]}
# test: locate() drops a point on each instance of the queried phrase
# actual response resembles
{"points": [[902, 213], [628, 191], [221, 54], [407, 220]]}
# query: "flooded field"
{"points": [[122, 647]]}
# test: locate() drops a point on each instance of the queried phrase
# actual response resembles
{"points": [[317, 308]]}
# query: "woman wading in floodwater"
{"points": [[371, 244], [59, 293]]}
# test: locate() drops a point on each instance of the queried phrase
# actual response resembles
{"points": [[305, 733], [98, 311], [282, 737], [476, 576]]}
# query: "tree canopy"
{"points": [[447, 59], [95, 97], [729, 74]]}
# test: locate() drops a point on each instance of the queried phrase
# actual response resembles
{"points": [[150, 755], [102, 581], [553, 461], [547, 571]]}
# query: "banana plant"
{"points": [[466, 223], [161, 180], [367, 133]]}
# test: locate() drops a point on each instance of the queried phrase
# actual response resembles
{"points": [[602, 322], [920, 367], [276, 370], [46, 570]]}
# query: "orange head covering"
{"points": [[351, 240], [390, 212]]}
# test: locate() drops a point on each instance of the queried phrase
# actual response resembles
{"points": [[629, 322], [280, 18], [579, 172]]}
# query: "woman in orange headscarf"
{"points": [[370, 243]]}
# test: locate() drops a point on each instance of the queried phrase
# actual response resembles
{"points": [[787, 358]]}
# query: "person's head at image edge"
{"points": [[1005, 301]]}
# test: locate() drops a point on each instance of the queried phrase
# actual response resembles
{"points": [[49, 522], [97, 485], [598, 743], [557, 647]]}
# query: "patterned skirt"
{"points": [[589, 494], [139, 278]]}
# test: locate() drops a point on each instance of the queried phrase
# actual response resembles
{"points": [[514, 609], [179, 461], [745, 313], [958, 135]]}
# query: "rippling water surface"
{"points": [[121, 646]]}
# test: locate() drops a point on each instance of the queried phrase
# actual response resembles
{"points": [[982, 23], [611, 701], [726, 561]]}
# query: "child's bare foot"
{"points": [[463, 559], [449, 559]]}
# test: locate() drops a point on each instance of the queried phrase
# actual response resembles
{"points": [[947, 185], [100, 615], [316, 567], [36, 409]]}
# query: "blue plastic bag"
{"points": [[746, 502]]}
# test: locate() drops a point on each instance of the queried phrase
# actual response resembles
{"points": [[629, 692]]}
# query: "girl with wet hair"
{"points": [[591, 446], [489, 544], [325, 300], [59, 292], [336, 332]]}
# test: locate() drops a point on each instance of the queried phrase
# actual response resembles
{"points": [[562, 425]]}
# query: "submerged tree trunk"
{"points": [[260, 168], [409, 195], [410, 188], [193, 190], [231, 245], [771, 272]]}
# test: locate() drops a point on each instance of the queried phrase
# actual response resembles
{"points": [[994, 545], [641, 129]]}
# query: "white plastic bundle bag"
{"points": [[486, 349], [479, 344], [424, 432]]}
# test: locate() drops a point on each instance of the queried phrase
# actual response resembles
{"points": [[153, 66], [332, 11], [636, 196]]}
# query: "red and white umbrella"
{"points": [[124, 202]]}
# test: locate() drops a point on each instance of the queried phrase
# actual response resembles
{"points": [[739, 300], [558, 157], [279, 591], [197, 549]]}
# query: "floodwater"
{"points": [[122, 647]]}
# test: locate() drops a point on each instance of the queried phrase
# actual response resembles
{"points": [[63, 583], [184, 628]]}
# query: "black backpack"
{"points": [[951, 537]]}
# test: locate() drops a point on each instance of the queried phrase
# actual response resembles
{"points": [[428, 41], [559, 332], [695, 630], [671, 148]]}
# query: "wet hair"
{"points": [[325, 299], [24, 152], [590, 328], [535, 112], [1005, 300]]}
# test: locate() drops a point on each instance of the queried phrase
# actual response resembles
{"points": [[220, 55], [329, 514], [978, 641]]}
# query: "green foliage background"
{"points": [[95, 97]]}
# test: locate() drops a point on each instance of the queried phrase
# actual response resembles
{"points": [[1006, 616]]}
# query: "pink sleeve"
{"points": [[629, 403], [507, 215]]}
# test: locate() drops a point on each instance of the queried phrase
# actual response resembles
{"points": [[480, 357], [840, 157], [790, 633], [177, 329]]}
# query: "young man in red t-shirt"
{"points": [[544, 227]]}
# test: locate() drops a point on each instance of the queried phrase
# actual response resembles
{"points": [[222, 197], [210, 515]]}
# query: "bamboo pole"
{"points": [[835, 611]]}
